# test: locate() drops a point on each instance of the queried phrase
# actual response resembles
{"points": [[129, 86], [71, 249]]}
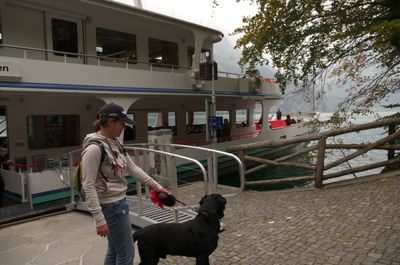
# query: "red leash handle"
{"points": [[154, 198]]}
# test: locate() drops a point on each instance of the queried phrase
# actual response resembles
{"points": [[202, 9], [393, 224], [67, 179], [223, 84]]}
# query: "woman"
{"points": [[104, 184]]}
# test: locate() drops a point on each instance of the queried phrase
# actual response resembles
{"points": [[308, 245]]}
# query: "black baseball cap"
{"points": [[112, 110]]}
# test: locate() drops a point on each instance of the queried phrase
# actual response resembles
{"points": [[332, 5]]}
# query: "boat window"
{"points": [[224, 114], [115, 44], [65, 37], [172, 122], [204, 56], [163, 53], [195, 121], [130, 132], [154, 121], [257, 111], [242, 117], [51, 131]]}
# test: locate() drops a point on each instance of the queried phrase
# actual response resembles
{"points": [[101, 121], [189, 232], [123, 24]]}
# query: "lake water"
{"points": [[367, 136]]}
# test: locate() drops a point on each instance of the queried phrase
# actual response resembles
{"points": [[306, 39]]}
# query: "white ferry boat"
{"points": [[60, 61]]}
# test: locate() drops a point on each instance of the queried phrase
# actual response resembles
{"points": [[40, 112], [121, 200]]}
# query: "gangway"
{"points": [[142, 211]]}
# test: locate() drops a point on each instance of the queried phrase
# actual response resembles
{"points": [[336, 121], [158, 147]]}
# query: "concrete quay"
{"points": [[354, 222]]}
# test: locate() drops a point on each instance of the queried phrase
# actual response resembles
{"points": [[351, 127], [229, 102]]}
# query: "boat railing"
{"points": [[21, 179], [317, 146], [129, 64], [233, 137], [229, 75], [212, 165], [68, 57], [141, 154]]}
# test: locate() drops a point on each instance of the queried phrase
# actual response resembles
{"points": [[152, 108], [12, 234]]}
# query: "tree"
{"points": [[357, 40]]}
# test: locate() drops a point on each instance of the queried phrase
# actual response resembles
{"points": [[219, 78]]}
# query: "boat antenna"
{"points": [[138, 3]]}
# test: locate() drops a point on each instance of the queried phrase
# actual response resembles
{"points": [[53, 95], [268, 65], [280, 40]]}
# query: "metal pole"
{"points": [[214, 176], [207, 109]]}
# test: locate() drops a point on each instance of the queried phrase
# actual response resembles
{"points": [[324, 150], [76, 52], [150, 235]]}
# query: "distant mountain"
{"points": [[327, 101], [227, 58]]}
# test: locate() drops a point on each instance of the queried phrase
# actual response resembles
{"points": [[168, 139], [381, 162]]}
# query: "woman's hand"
{"points": [[164, 190], [102, 230]]}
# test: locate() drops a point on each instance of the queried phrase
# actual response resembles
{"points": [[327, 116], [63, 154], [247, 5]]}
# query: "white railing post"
{"points": [[71, 178], [139, 188], [210, 170], [28, 191], [23, 184], [146, 168]]}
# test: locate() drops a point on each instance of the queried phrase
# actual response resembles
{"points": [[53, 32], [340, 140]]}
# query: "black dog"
{"points": [[195, 238]]}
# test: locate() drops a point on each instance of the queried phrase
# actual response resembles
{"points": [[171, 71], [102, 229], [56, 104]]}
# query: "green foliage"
{"points": [[306, 40]]}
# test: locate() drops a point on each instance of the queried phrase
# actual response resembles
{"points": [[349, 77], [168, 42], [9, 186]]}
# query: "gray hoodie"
{"points": [[97, 189]]}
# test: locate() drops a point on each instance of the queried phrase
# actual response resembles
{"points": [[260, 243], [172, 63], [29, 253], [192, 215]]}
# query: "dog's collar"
{"points": [[207, 215], [203, 213]]}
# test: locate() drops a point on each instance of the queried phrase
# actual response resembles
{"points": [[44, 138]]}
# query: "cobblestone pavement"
{"points": [[345, 224], [350, 224]]}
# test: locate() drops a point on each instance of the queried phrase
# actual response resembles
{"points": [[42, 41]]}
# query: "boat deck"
{"points": [[354, 222]]}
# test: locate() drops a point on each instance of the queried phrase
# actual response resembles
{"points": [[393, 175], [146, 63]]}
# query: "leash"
{"points": [[181, 202], [194, 209]]}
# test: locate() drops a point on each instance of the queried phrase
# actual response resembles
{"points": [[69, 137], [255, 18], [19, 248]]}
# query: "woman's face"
{"points": [[115, 127]]}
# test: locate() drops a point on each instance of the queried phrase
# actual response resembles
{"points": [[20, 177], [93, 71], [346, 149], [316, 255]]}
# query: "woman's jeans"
{"points": [[120, 244]]}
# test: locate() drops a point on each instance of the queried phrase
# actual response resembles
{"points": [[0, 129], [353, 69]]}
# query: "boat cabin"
{"points": [[62, 60]]}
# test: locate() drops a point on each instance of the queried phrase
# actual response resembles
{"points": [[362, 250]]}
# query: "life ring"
{"points": [[197, 85]]}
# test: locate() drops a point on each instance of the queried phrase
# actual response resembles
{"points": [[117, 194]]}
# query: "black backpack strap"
{"points": [[121, 147], [100, 144]]}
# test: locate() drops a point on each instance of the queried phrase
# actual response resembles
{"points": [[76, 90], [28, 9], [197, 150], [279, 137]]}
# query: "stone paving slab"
{"points": [[346, 224]]}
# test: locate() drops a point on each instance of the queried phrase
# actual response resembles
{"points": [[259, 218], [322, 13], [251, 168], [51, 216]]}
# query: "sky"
{"points": [[225, 17]]}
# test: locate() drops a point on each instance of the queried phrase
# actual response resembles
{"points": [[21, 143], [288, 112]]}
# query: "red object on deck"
{"points": [[277, 123]]}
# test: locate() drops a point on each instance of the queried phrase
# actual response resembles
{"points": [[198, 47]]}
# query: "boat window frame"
{"points": [[240, 123], [150, 127], [172, 127], [73, 37], [219, 113], [119, 56], [43, 130], [203, 55], [152, 55], [191, 126]]}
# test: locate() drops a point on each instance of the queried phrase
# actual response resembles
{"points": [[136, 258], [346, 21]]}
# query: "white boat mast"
{"points": [[138, 3]]}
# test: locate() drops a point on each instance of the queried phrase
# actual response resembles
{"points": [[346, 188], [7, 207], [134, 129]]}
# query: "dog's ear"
{"points": [[221, 199], [202, 199]]}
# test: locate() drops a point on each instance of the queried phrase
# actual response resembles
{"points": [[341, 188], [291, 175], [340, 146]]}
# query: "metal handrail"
{"points": [[240, 164], [203, 170], [74, 152], [127, 61]]}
